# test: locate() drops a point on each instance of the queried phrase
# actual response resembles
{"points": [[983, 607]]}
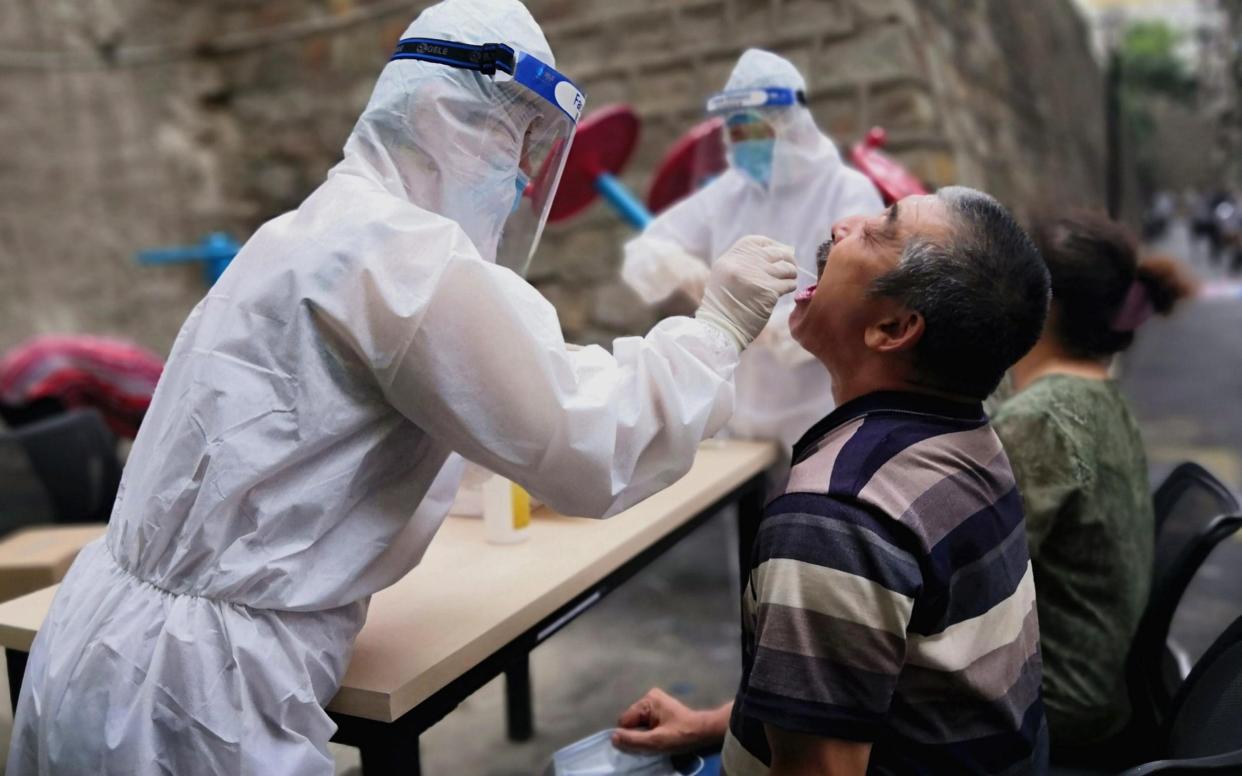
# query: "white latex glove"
{"points": [[745, 283]]}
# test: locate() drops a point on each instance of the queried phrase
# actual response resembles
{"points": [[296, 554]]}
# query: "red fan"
{"points": [[894, 181], [696, 157], [603, 144]]}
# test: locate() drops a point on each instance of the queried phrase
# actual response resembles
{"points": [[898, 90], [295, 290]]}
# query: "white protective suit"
{"points": [[782, 390], [308, 406]]}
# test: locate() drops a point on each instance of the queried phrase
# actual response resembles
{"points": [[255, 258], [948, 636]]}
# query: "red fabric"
{"points": [[114, 377]]}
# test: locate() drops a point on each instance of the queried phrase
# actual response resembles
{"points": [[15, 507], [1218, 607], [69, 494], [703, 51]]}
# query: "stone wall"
{"points": [[1021, 98], [127, 124], [1224, 95]]}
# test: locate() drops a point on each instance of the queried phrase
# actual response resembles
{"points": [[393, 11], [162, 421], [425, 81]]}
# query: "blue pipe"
{"points": [[619, 197], [215, 250]]}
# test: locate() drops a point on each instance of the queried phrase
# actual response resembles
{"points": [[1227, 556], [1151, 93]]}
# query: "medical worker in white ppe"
{"points": [[785, 180], [312, 399]]}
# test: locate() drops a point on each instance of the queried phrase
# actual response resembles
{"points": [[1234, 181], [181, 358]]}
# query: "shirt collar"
{"points": [[890, 401]]}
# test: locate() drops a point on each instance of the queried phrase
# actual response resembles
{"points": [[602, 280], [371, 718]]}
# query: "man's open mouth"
{"points": [[805, 294]]}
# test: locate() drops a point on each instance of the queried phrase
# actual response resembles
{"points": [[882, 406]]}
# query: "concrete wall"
{"points": [[133, 123]]}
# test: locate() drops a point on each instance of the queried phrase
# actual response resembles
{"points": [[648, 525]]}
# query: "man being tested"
{"points": [[890, 623], [312, 399]]}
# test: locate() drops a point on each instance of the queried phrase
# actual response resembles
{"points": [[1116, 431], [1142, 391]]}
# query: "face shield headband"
{"points": [[754, 99], [546, 139], [486, 58]]}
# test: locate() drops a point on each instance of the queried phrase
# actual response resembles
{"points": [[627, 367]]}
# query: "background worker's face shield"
{"points": [[530, 127], [751, 121]]}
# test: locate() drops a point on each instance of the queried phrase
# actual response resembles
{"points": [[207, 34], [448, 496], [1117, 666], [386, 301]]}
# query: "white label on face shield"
{"points": [[569, 98]]}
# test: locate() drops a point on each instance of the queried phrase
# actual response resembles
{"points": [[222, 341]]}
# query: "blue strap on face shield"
{"points": [[490, 58], [748, 99], [486, 58]]}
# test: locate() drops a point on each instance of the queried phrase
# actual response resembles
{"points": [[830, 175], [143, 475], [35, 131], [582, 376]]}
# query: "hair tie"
{"points": [[1135, 310]]}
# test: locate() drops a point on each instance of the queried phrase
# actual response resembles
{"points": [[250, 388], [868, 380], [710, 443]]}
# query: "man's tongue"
{"points": [[805, 294]]}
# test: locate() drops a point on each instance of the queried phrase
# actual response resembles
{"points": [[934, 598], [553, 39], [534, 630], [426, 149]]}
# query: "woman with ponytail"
{"points": [[1078, 458]]}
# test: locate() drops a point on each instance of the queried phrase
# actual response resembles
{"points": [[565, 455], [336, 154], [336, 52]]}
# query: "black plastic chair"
{"points": [[74, 457], [1151, 685], [1204, 730], [1188, 499], [23, 498], [1185, 504]]}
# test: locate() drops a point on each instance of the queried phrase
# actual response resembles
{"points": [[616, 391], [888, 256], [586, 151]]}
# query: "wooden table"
{"points": [[38, 556], [472, 611]]}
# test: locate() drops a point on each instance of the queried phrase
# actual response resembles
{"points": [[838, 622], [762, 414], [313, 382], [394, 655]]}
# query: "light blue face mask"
{"points": [[754, 158], [520, 182], [596, 756]]}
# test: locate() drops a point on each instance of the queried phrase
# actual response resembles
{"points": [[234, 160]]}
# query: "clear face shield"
{"points": [[537, 110], [751, 118]]}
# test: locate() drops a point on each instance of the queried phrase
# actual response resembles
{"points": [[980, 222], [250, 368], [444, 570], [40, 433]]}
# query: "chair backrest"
{"points": [[1206, 716], [1149, 688], [74, 455], [1185, 503], [23, 498]]}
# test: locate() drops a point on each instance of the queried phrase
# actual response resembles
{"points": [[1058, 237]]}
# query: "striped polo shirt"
{"points": [[890, 598]]}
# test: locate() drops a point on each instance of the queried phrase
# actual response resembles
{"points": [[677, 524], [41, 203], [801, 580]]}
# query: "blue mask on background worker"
{"points": [[750, 134], [754, 157]]}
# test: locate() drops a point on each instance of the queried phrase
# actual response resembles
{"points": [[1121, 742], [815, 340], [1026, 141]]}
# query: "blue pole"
{"points": [[220, 250], [170, 255], [619, 197], [215, 250]]}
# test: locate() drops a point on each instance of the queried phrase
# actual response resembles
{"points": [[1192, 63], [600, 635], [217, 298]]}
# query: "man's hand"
{"points": [[662, 724]]}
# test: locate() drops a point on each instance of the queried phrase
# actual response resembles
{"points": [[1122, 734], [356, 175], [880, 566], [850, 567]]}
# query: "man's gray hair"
{"points": [[982, 290]]}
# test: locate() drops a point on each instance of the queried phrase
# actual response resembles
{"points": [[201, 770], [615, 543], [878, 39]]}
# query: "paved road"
{"points": [[1184, 380]]}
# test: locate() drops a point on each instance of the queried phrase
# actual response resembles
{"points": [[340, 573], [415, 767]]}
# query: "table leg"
{"points": [[382, 755], [16, 663], [518, 704], [750, 506]]}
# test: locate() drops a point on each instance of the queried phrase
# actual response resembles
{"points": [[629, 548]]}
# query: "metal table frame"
{"points": [[392, 747]]}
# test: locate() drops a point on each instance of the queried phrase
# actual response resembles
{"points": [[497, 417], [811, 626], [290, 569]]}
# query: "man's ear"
{"points": [[900, 330]]}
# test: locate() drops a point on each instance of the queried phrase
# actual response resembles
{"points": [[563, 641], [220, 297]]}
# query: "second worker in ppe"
{"points": [[312, 399], [785, 180]]}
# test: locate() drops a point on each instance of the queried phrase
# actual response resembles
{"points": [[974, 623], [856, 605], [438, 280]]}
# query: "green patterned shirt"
{"points": [[1078, 458]]}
